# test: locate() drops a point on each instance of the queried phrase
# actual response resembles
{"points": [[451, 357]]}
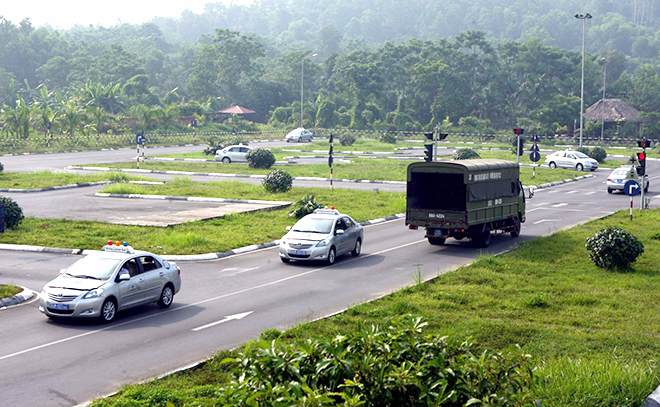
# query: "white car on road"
{"points": [[231, 154], [571, 159], [108, 281], [299, 134]]}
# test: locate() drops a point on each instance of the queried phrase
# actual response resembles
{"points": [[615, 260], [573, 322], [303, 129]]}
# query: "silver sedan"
{"points": [[323, 236], [105, 282], [232, 154]]}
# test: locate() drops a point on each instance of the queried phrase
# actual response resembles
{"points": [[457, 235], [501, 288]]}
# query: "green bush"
{"points": [[598, 154], [277, 181], [260, 158], [374, 366], [13, 212], [388, 138], [465, 154], [614, 249], [214, 144], [347, 140], [583, 150], [305, 206]]}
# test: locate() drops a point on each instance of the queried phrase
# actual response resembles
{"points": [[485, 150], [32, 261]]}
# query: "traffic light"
{"points": [[429, 136], [521, 149], [644, 143], [641, 157], [519, 131], [428, 153], [442, 136]]}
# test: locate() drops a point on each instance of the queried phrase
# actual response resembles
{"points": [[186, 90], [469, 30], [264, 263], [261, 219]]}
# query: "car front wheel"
{"points": [[108, 310], [358, 248], [579, 167], [332, 256], [166, 297]]}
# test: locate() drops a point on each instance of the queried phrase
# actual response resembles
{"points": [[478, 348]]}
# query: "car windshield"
{"points": [[99, 268], [313, 225], [580, 155]]}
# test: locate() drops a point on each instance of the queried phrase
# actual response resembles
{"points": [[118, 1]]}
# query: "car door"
{"points": [[130, 292], [571, 160], [153, 276], [234, 154], [341, 239], [351, 233], [243, 153]]}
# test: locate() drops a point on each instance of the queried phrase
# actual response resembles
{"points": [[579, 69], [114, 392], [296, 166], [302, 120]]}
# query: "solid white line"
{"points": [[219, 297], [545, 220], [591, 192], [559, 205], [532, 210], [572, 192]]}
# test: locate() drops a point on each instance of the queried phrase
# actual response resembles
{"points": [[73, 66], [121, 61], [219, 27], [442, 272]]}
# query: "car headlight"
{"points": [[323, 243], [93, 293]]}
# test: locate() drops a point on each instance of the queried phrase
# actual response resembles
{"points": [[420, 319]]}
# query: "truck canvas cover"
{"points": [[450, 185]]}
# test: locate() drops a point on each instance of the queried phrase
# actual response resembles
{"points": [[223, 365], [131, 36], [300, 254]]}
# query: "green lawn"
{"points": [[212, 236], [44, 179], [9, 290], [592, 333], [357, 169]]}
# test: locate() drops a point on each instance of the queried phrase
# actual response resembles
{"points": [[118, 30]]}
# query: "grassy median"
{"points": [[45, 179], [9, 290], [592, 333]]}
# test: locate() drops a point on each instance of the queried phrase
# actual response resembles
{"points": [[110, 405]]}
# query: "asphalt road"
{"points": [[50, 363]]}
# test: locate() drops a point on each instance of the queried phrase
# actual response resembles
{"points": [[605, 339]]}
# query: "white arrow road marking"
{"points": [[229, 269], [559, 205], [227, 319], [572, 192], [242, 271], [591, 192], [546, 220]]}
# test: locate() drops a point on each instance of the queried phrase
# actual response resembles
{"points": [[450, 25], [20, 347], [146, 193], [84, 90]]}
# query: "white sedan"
{"points": [[298, 135], [108, 281], [230, 154], [571, 159]]}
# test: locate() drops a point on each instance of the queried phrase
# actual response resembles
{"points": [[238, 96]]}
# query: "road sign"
{"points": [[534, 156], [631, 187]]}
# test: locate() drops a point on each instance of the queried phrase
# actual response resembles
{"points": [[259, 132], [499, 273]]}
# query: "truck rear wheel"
{"points": [[515, 231], [482, 238], [437, 241]]}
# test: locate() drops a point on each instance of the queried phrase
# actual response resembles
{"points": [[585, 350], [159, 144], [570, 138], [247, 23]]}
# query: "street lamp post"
{"points": [[602, 108], [302, 81], [584, 18]]}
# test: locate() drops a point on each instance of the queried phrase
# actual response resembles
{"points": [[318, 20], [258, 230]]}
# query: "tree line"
{"points": [[61, 81]]}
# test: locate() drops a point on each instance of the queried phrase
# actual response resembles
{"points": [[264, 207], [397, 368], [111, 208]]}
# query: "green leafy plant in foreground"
{"points": [[614, 248], [304, 206]]}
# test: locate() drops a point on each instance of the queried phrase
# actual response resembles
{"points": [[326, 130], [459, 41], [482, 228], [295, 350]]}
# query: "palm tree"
{"points": [[72, 116]]}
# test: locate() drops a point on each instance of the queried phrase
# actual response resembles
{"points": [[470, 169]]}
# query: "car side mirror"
{"points": [[339, 232], [531, 193], [124, 277], [288, 228]]}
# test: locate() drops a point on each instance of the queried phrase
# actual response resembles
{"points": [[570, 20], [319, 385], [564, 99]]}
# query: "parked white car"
{"points": [[299, 134], [231, 154], [571, 159]]}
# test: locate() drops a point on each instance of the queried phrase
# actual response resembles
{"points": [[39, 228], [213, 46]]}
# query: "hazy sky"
{"points": [[66, 13]]}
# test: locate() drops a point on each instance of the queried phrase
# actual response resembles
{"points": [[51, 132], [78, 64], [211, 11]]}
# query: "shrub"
{"points": [[598, 154], [305, 206], [277, 181], [214, 144], [13, 212], [260, 158], [614, 248], [347, 140], [398, 365], [388, 138], [465, 154], [583, 150]]}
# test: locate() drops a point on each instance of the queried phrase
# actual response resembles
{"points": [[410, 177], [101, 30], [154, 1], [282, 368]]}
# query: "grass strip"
{"points": [[354, 169], [212, 236], [592, 333], [9, 290], [45, 179]]}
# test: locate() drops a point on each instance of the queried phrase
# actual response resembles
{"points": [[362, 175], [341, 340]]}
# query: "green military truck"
{"points": [[465, 198]]}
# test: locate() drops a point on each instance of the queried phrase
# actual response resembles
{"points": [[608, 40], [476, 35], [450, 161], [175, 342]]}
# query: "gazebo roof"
{"points": [[612, 110]]}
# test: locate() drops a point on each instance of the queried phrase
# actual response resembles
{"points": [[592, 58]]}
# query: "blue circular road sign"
{"points": [[534, 156], [631, 187]]}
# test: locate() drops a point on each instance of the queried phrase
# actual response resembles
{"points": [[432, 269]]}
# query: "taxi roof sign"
{"points": [[327, 211], [118, 249]]}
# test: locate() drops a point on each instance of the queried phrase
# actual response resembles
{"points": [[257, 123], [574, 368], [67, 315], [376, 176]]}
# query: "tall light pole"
{"points": [[584, 18], [602, 108], [302, 81]]}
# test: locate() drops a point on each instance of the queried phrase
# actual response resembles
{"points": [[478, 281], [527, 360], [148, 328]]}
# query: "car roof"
{"points": [[117, 255]]}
